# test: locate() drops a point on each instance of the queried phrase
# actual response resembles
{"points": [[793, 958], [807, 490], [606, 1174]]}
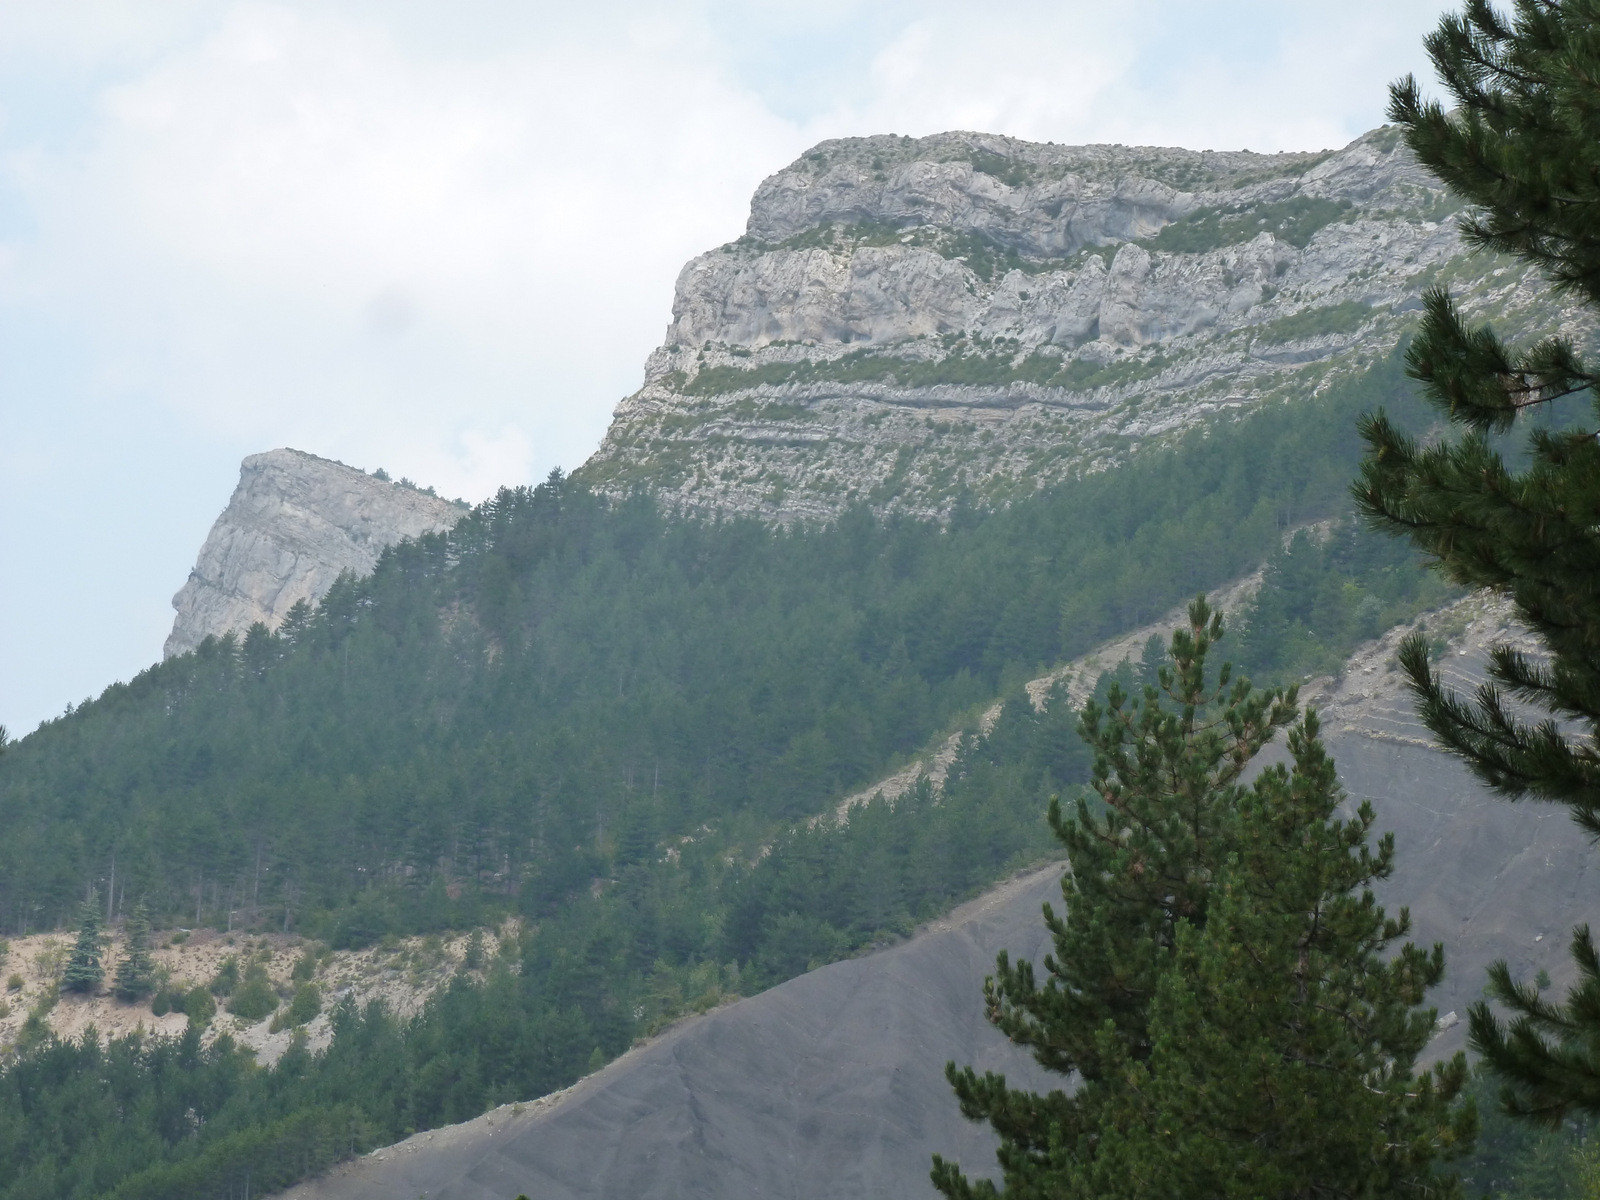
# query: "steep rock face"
{"points": [[907, 319], [295, 523]]}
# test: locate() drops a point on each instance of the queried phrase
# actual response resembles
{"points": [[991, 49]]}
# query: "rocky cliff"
{"points": [[294, 524], [907, 319]]}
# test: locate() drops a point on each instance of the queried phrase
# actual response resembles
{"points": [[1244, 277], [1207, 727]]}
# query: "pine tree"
{"points": [[1283, 1033], [84, 971], [1521, 146], [136, 973], [1216, 989]]}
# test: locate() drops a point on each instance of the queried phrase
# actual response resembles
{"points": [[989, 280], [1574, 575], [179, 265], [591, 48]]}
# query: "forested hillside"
{"points": [[618, 724], [563, 686]]}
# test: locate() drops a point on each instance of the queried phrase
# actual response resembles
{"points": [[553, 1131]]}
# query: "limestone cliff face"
{"points": [[905, 319], [293, 525]]}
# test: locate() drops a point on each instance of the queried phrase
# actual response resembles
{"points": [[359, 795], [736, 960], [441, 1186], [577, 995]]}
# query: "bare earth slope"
{"points": [[831, 1084], [293, 525]]}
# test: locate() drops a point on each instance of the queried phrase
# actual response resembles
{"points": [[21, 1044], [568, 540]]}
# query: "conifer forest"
{"points": [[627, 751]]}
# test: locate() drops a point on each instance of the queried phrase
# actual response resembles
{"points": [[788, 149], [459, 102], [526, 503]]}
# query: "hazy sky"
{"points": [[441, 238]]}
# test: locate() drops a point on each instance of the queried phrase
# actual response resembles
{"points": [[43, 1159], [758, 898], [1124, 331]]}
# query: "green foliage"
{"points": [[1221, 985], [1010, 171], [136, 973], [1322, 595], [969, 363], [305, 967], [143, 1118], [825, 890], [268, 1156], [468, 731], [1283, 1035], [570, 1007], [200, 1006], [307, 1003], [600, 717], [226, 979], [988, 257], [84, 970], [254, 999], [1518, 144], [476, 956], [1345, 317], [1528, 1160], [1293, 221]]}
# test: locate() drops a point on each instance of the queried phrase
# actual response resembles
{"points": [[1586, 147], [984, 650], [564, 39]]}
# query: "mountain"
{"points": [[625, 720], [619, 740], [831, 1084], [908, 321], [294, 524]]}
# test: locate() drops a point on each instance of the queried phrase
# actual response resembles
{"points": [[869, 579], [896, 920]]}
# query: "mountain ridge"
{"points": [[907, 322], [633, 731], [913, 324]]}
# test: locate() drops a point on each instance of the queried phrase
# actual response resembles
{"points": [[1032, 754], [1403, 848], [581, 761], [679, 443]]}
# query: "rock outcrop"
{"points": [[295, 523], [907, 320]]}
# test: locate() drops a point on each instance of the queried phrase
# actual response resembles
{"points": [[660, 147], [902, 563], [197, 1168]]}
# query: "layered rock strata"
{"points": [[295, 523], [906, 320]]}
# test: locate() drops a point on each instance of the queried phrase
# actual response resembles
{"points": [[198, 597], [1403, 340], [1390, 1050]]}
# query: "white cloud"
{"points": [[1165, 72], [1039, 71], [298, 232]]}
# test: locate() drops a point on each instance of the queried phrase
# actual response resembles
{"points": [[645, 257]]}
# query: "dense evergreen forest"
{"points": [[618, 723], [555, 689]]}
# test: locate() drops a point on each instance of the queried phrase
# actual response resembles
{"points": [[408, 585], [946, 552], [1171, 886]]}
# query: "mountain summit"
{"points": [[294, 524], [906, 321]]}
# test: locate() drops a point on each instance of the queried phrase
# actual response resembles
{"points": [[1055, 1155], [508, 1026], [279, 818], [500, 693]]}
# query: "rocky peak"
{"points": [[1040, 200], [295, 523], [909, 319]]}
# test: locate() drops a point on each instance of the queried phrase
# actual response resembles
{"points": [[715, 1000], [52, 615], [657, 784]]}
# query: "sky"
{"points": [[441, 238]]}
